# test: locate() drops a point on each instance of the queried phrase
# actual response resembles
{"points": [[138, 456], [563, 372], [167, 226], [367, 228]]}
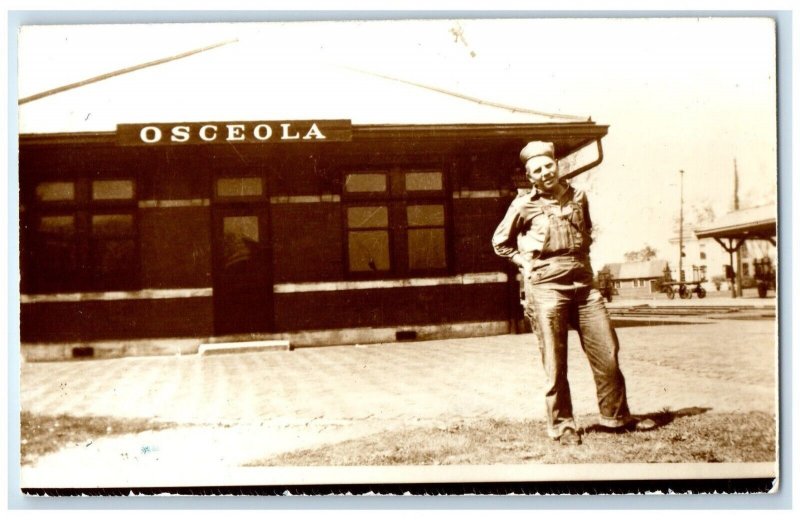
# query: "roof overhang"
{"points": [[758, 230], [567, 137], [755, 223], [579, 142]]}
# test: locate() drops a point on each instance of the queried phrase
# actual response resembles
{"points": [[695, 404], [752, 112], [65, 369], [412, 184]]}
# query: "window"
{"points": [[368, 238], [239, 187], [82, 236], [112, 190], [55, 191], [395, 222], [426, 241]]}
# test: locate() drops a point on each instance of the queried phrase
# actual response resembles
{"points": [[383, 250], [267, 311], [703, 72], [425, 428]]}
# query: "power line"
{"points": [[120, 72], [470, 98]]}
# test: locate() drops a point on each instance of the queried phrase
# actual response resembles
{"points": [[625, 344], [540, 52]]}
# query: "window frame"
{"points": [[396, 198], [84, 274], [233, 199]]}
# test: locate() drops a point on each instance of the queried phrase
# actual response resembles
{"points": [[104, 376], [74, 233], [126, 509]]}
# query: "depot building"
{"points": [[317, 230]]}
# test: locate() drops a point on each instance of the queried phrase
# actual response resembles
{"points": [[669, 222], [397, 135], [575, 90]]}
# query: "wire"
{"points": [[119, 72], [469, 98]]}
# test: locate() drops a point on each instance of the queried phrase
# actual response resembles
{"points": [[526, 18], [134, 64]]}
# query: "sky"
{"points": [[678, 94]]}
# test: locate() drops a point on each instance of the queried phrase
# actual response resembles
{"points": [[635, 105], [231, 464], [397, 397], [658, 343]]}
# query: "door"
{"points": [[242, 271]]}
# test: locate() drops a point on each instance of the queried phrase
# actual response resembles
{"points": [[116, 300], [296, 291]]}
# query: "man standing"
{"points": [[547, 233]]}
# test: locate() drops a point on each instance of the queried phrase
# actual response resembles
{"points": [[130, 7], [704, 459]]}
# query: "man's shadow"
{"points": [[660, 419]]}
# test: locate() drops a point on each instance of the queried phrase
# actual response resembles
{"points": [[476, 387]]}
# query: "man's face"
{"points": [[542, 171]]}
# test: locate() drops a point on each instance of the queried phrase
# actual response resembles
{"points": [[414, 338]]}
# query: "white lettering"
{"points": [[286, 135], [314, 132], [235, 132], [204, 132], [262, 132], [150, 130], [180, 134], [243, 132]]}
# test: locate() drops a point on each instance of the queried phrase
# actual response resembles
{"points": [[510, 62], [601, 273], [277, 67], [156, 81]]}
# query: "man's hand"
{"points": [[524, 266]]}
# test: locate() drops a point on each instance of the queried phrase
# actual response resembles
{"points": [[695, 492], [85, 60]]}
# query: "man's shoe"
{"points": [[569, 437], [633, 425], [644, 425]]}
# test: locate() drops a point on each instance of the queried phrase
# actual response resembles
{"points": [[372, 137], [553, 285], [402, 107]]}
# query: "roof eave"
{"points": [[750, 230], [571, 136]]}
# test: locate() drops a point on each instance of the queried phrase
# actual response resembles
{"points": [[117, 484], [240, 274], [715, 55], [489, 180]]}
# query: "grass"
{"points": [[689, 435], [43, 434]]}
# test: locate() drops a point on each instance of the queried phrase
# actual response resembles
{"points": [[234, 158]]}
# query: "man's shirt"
{"points": [[535, 224]]}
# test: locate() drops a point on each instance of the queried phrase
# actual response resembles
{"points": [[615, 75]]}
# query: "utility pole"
{"points": [[680, 237], [735, 186], [739, 249]]}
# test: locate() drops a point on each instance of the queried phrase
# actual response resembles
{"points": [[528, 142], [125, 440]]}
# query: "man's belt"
{"points": [[565, 253]]}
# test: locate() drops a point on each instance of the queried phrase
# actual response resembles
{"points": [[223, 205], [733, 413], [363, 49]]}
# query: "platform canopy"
{"points": [[746, 224]]}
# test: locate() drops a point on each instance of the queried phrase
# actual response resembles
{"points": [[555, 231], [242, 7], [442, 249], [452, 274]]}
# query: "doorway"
{"points": [[242, 270]]}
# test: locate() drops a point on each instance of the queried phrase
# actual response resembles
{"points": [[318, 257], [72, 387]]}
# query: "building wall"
{"points": [[704, 252], [391, 307], [175, 247], [174, 214], [307, 242], [120, 319], [474, 223], [635, 288]]}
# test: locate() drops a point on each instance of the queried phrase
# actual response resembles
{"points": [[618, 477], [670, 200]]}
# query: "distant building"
{"points": [[637, 279], [706, 254], [750, 233], [700, 256]]}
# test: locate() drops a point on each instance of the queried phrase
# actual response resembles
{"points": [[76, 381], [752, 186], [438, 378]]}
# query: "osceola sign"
{"points": [[155, 134]]}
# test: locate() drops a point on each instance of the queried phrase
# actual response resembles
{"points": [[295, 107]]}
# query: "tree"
{"points": [[703, 214], [641, 255], [695, 216]]}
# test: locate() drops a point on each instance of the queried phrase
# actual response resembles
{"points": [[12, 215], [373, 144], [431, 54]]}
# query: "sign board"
{"points": [[165, 134]]}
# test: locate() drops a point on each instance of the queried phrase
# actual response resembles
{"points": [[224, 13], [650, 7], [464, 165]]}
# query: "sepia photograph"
{"points": [[538, 251]]}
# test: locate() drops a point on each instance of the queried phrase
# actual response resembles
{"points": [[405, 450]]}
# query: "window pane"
{"points": [[61, 226], [109, 226], [427, 215], [424, 181], [239, 187], [245, 227], [368, 217], [239, 240], [55, 256], [364, 182], [54, 191], [368, 250], [426, 249], [112, 190]]}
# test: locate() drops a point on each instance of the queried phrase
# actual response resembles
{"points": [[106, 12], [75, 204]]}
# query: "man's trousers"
{"points": [[551, 308]]}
